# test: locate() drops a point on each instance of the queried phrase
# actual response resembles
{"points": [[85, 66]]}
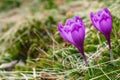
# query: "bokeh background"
{"points": [[32, 49]]}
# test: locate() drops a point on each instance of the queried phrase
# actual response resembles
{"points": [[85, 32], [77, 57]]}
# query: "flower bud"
{"points": [[102, 21], [74, 32]]}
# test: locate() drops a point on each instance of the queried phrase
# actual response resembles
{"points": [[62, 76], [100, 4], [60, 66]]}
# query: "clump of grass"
{"points": [[38, 44], [48, 4], [30, 39], [6, 5], [67, 62]]}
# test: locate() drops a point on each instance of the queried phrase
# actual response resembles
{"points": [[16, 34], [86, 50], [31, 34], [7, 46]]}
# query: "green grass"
{"points": [[6, 5], [36, 42]]}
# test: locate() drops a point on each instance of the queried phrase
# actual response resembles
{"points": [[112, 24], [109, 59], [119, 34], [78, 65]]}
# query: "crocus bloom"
{"points": [[102, 21], [74, 32]]}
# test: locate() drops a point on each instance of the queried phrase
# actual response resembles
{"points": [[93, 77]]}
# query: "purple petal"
{"points": [[106, 10], [67, 28], [78, 20], [92, 18], [91, 15], [78, 35], [75, 26], [62, 32], [95, 21], [99, 13], [69, 22], [65, 33], [106, 25], [104, 16], [69, 37]]}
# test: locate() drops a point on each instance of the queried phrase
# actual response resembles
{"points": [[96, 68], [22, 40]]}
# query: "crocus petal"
{"points": [[78, 34], [106, 26], [62, 32], [98, 27], [78, 20], [92, 18], [91, 15], [69, 37], [95, 21], [69, 22], [107, 12], [99, 13]]}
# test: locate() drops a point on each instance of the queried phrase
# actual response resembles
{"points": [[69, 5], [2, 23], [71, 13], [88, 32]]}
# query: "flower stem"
{"points": [[111, 55], [81, 50], [85, 60], [108, 41]]}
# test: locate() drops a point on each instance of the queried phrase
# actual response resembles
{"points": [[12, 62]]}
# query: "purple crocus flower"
{"points": [[102, 21], [74, 32]]}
